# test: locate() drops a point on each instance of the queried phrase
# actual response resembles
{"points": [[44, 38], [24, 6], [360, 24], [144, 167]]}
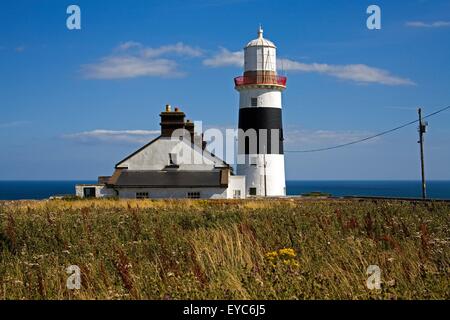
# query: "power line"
{"points": [[368, 138]]}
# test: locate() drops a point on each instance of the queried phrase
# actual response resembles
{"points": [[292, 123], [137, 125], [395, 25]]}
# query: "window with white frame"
{"points": [[236, 194]]}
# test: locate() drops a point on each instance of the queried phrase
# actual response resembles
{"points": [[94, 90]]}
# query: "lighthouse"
{"points": [[260, 139]]}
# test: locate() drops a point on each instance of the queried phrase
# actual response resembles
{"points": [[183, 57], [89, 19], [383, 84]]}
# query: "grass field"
{"points": [[254, 249]]}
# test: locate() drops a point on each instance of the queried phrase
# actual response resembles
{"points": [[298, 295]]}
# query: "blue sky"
{"points": [[73, 103]]}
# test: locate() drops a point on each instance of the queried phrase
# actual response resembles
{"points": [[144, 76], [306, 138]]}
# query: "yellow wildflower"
{"points": [[285, 256], [287, 252]]}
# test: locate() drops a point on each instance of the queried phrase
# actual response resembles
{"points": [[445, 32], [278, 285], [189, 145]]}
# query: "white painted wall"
{"points": [[236, 183], [266, 98], [101, 191], [254, 174], [174, 193]]}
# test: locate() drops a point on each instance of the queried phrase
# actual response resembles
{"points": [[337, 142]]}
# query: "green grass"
{"points": [[221, 249]]}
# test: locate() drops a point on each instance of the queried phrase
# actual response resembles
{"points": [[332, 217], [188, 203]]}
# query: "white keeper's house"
{"points": [[162, 169]]}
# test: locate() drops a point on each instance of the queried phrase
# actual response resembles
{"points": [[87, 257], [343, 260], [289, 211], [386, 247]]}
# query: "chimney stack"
{"points": [[171, 121]]}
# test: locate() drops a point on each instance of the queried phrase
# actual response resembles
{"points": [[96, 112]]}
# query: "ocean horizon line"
{"points": [[436, 189], [305, 180]]}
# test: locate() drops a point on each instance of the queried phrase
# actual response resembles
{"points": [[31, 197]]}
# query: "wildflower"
{"points": [[272, 255], [291, 263], [287, 252], [285, 256]]}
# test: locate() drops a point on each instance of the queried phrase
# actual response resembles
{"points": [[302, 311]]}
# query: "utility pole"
{"points": [[422, 130]]}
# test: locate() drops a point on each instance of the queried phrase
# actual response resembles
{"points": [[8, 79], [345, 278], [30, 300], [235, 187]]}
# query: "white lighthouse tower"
{"points": [[261, 160]]}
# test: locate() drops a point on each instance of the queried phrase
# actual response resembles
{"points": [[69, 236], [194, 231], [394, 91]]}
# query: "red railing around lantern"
{"points": [[263, 79]]}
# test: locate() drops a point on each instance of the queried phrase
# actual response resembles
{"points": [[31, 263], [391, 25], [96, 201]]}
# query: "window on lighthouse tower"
{"points": [[254, 102]]}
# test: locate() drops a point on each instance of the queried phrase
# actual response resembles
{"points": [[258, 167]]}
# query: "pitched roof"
{"points": [[169, 178]]}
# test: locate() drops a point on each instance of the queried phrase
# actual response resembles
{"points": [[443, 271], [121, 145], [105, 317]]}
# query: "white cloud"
{"points": [[360, 73], [113, 136], [178, 48], [355, 72], [128, 45], [225, 58], [13, 124], [121, 67], [421, 24], [132, 59]]}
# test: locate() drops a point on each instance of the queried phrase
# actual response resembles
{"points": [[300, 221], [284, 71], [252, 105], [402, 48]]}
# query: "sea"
{"points": [[17, 190]]}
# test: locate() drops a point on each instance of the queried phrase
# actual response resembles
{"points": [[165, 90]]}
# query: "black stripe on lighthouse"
{"points": [[261, 118]]}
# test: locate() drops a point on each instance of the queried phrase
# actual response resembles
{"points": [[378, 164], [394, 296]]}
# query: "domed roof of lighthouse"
{"points": [[260, 41]]}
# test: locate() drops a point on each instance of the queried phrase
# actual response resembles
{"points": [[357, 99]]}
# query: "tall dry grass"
{"points": [[224, 249]]}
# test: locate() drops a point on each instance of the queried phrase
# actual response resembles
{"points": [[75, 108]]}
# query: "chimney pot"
{"points": [[167, 107]]}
